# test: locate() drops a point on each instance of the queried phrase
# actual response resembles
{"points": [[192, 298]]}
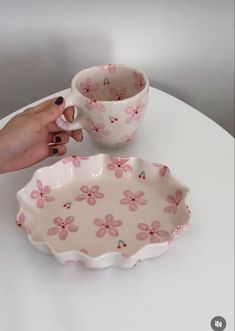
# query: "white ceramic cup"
{"points": [[110, 100]]}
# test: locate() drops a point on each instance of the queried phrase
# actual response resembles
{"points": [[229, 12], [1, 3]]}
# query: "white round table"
{"points": [[181, 290]]}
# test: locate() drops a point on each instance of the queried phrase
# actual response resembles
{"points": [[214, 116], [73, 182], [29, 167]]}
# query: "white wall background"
{"points": [[185, 46]]}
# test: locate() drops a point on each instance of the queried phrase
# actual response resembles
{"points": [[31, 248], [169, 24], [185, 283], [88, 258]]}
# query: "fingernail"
{"points": [[55, 150], [57, 139], [59, 101]]}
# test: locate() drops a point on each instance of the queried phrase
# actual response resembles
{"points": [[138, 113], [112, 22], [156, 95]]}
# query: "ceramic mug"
{"points": [[110, 101]]}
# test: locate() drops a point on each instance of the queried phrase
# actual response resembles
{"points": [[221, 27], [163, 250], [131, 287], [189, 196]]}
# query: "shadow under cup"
{"points": [[111, 101]]}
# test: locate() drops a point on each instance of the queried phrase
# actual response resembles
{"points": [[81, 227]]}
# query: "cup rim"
{"points": [[145, 89]]}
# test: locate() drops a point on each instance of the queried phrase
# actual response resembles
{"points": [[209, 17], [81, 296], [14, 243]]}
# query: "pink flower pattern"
{"points": [[62, 227], [125, 139], [94, 104], [163, 169], [111, 68], [174, 201], [134, 113], [107, 226], [117, 94], [119, 165], [133, 199], [89, 194], [42, 194], [139, 82], [97, 129], [180, 229], [153, 232], [88, 86], [75, 160], [20, 221]]}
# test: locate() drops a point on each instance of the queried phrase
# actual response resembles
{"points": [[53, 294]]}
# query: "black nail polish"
{"points": [[57, 140], [55, 150], [59, 101]]}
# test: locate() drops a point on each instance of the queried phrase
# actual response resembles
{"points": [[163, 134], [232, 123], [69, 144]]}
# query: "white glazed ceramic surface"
{"points": [[103, 211], [111, 101]]}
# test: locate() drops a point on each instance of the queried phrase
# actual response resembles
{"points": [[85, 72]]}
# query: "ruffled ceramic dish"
{"points": [[103, 211]]}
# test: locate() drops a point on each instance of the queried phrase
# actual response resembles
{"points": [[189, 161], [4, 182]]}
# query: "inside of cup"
{"points": [[110, 82]]}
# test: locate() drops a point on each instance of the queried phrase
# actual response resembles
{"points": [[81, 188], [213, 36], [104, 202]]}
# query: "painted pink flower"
{"points": [[180, 229], [75, 160], [107, 226], [139, 82], [42, 194], [20, 221], [133, 199], [163, 169], [174, 201], [97, 129], [153, 232], [117, 94], [125, 139], [111, 68], [62, 227], [134, 113], [94, 104], [89, 194], [88, 86], [119, 165]]}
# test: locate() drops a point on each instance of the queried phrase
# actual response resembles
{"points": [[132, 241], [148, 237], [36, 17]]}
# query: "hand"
{"points": [[33, 136]]}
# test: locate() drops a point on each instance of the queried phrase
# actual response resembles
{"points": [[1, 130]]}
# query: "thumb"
{"points": [[50, 113]]}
